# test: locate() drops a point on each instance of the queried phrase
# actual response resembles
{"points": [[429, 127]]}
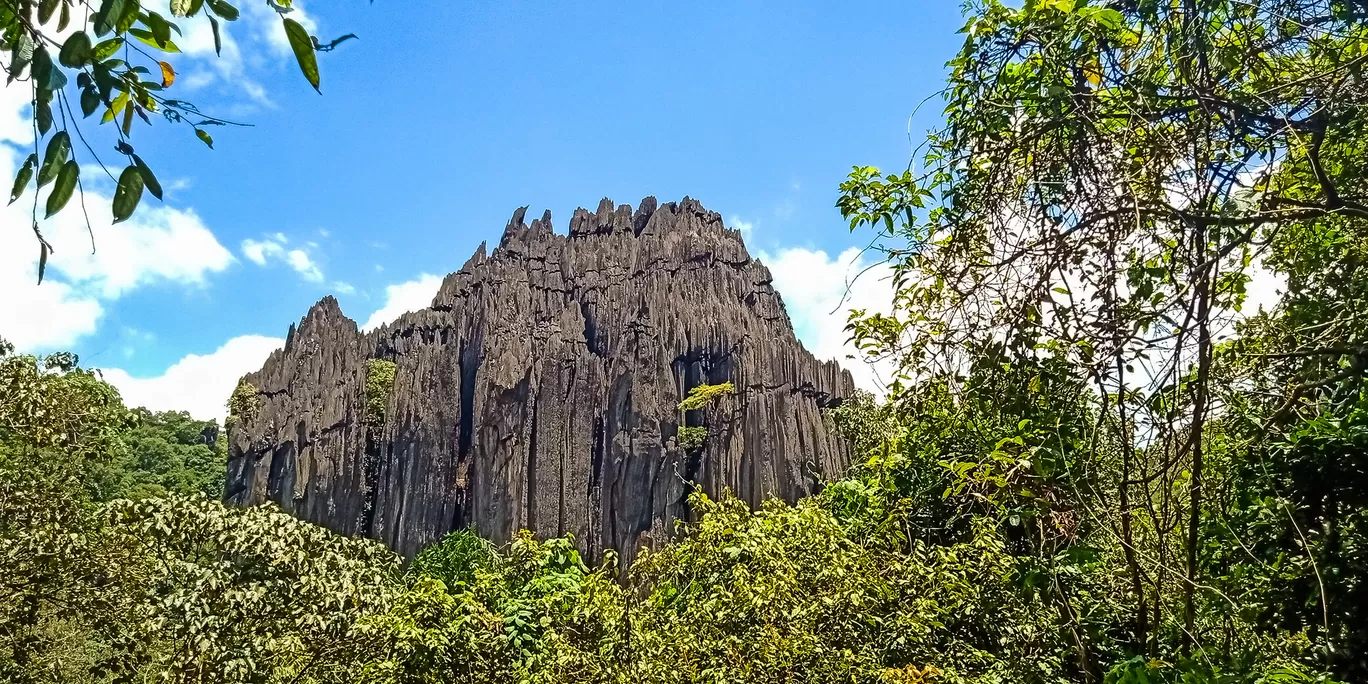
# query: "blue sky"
{"points": [[432, 128]]}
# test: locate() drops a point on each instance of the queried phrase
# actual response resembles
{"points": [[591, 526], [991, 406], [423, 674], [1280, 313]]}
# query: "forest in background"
{"points": [[1099, 461]]}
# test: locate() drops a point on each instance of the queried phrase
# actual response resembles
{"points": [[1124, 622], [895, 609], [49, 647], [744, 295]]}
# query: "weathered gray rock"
{"points": [[540, 391]]}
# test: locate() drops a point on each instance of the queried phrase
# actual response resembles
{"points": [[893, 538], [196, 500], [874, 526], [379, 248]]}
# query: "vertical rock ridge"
{"points": [[539, 391]]}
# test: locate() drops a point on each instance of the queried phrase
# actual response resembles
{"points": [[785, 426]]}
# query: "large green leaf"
{"points": [[147, 38], [218, 40], [42, 113], [21, 53], [42, 257], [46, 75], [76, 51], [303, 51], [90, 101], [148, 178], [107, 16], [22, 179], [131, 9], [128, 194], [223, 9], [107, 48], [58, 149], [46, 8], [62, 189]]}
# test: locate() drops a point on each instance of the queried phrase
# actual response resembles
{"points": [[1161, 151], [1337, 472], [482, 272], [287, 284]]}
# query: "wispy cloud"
{"points": [[275, 248]]}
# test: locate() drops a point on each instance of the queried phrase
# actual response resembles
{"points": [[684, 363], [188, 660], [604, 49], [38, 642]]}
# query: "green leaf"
{"points": [[22, 179], [125, 21], [64, 18], [223, 9], [45, 74], [58, 149], [90, 101], [303, 51], [149, 180], [144, 36], [42, 256], [76, 51], [106, 49], [183, 8], [46, 8], [21, 53], [218, 41], [107, 16], [61, 190], [42, 113], [128, 194], [204, 135]]}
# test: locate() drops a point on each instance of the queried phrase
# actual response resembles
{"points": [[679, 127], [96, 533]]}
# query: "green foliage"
{"points": [[244, 402], [785, 595], [379, 386], [1094, 465], [690, 438], [170, 453], [1108, 176], [702, 396], [865, 423], [455, 560], [248, 592]]}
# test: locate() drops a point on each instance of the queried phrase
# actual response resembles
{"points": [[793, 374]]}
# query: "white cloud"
{"points": [[256, 252], [819, 291], [160, 244], [299, 260], [198, 383], [403, 297], [274, 248], [344, 287], [747, 228]]}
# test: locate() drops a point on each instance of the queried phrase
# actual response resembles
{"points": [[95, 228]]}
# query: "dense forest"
{"points": [[1127, 441]]}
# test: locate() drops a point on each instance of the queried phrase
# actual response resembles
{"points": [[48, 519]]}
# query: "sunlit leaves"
{"points": [[107, 48], [303, 49], [148, 38]]}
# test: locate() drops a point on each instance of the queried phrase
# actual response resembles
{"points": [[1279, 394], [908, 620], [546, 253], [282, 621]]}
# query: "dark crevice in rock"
{"points": [[532, 467]]}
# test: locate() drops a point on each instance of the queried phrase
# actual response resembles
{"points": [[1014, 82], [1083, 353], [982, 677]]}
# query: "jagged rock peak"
{"points": [[540, 391]]}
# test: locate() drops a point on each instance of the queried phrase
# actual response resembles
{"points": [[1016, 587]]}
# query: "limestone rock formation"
{"points": [[540, 391]]}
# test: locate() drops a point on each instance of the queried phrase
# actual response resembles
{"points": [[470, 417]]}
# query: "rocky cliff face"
{"points": [[540, 391]]}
